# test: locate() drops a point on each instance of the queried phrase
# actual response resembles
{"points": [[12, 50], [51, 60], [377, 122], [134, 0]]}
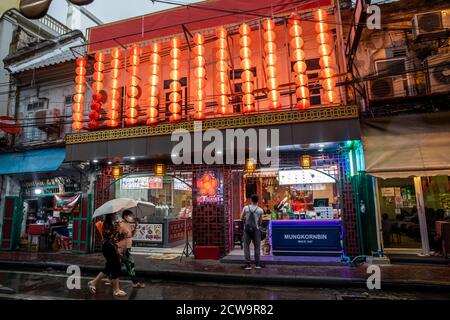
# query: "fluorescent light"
{"points": [[95, 161], [133, 158], [109, 162], [38, 191]]}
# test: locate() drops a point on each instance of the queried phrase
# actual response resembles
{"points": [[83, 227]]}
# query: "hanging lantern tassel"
{"points": [[153, 102], [247, 76], [222, 67], [270, 49], [78, 98], [298, 58], [326, 62], [175, 85], [199, 77], [114, 93]]}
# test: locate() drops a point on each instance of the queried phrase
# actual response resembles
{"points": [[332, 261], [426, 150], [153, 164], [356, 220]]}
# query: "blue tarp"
{"points": [[32, 161]]}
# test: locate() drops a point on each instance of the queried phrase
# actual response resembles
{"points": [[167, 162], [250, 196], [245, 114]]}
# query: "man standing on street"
{"points": [[252, 217]]}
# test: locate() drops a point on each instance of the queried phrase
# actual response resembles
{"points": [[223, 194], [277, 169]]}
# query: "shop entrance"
{"points": [[412, 213], [302, 214]]}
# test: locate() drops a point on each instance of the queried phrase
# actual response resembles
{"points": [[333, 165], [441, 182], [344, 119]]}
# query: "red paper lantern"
{"points": [[80, 89], [246, 63], [153, 80], [114, 93], [326, 62], [175, 97], [270, 62], [298, 57]]}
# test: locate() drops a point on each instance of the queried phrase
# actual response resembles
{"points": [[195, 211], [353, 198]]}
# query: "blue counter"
{"points": [[306, 237]]}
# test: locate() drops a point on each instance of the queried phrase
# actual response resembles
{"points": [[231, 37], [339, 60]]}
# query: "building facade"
{"points": [[280, 70], [400, 79]]}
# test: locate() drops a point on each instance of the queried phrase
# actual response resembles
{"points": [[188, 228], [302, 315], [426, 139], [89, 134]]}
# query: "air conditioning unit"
{"points": [[431, 22], [389, 87], [439, 72], [47, 119], [392, 79]]}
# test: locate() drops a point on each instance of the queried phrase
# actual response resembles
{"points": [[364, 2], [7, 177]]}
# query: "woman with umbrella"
{"points": [[114, 234], [111, 237], [128, 228]]}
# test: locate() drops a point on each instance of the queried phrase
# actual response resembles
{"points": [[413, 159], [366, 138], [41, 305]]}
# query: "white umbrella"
{"points": [[118, 205]]}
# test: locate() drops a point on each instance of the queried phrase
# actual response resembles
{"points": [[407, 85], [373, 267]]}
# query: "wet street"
{"points": [[51, 285]]}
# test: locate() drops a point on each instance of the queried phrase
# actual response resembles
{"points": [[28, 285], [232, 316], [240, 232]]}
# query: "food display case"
{"points": [[161, 228], [162, 224]]}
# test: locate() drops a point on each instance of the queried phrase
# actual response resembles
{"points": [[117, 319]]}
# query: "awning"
{"points": [[32, 161], [169, 22], [160, 147], [405, 146]]}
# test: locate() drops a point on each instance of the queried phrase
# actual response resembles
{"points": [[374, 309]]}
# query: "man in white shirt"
{"points": [[252, 218]]}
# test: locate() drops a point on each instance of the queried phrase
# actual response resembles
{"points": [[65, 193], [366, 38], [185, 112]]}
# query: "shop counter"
{"points": [[306, 237], [161, 232]]}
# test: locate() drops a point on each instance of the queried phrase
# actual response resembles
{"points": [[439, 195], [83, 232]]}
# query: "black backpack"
{"points": [[250, 223]]}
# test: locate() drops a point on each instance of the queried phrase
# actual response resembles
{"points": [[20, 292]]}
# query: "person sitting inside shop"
{"points": [[252, 219]]}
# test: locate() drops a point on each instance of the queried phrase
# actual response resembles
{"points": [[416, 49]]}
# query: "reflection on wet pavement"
{"points": [[52, 285]]}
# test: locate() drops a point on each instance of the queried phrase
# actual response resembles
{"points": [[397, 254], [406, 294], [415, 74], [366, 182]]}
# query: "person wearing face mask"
{"points": [[127, 228], [111, 237]]}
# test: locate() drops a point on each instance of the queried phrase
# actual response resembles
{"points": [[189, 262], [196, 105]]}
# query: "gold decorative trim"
{"points": [[242, 121]]}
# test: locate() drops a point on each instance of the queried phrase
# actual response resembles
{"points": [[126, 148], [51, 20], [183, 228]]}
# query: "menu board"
{"points": [[138, 183], [149, 232], [155, 183], [307, 176], [387, 192], [182, 185]]}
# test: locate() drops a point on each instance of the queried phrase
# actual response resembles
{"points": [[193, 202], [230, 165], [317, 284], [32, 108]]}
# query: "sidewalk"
{"points": [[392, 276]]}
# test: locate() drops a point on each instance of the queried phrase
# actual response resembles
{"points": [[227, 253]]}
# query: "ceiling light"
{"points": [[133, 158], [95, 161], [109, 162], [321, 145]]}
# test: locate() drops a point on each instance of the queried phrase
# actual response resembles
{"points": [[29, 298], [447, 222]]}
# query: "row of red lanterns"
{"points": [[78, 98], [222, 77]]}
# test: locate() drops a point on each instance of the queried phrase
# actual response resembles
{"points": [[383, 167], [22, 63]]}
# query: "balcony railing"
{"points": [[54, 25]]}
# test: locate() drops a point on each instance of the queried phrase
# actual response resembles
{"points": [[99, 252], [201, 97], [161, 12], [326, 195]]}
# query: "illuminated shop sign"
{"points": [[307, 176], [209, 188], [183, 185], [137, 183]]}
